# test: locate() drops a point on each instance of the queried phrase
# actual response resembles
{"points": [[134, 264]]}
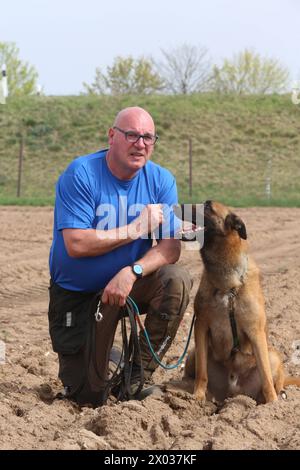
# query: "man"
{"points": [[106, 205]]}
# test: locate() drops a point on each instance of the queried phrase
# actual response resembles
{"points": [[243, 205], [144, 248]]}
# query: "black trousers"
{"points": [[83, 344]]}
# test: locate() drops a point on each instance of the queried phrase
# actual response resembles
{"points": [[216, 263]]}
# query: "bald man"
{"points": [[108, 206]]}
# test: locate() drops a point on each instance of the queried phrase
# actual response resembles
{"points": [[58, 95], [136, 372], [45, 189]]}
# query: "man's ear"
{"points": [[233, 221], [110, 135]]}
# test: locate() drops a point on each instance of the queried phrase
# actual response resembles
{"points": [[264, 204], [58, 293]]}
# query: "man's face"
{"points": [[129, 157]]}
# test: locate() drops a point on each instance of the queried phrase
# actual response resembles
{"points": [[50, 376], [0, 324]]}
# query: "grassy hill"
{"points": [[236, 143]]}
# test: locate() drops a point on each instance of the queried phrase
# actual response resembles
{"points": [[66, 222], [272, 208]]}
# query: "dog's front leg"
{"points": [[260, 349], [201, 349]]}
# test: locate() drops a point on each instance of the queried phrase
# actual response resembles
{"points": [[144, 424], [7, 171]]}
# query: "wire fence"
{"points": [[265, 180], [243, 152]]}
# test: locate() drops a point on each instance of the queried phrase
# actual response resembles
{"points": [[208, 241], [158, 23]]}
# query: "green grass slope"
{"points": [[237, 143]]}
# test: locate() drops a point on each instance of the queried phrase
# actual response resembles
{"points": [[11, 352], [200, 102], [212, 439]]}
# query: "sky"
{"points": [[67, 39]]}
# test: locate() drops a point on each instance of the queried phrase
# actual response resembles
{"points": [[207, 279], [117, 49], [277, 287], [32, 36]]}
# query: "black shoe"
{"points": [[154, 390], [136, 383], [115, 361], [135, 380], [136, 391], [115, 355], [149, 388]]}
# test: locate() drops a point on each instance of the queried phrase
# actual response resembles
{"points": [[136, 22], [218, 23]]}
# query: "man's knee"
{"points": [[173, 288], [176, 281], [175, 271]]}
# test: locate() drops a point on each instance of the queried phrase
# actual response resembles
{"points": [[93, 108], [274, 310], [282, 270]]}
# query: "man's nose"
{"points": [[140, 142]]}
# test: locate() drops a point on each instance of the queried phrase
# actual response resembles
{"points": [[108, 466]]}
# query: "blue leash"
{"points": [[155, 356]]}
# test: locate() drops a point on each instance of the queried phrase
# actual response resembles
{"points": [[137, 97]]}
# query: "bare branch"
{"points": [[185, 69]]}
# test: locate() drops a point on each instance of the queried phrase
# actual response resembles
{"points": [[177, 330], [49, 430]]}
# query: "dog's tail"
{"points": [[289, 380]]}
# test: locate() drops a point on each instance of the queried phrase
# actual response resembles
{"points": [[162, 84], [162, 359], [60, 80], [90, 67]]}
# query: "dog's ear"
{"points": [[233, 221]]}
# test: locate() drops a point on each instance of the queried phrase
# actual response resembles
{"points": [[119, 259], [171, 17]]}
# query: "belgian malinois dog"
{"points": [[231, 354]]}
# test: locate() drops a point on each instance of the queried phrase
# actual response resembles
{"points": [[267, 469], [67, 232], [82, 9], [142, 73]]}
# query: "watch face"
{"points": [[138, 270]]}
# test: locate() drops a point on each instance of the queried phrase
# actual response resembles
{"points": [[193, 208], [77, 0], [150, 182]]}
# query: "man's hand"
{"points": [[148, 220], [119, 287]]}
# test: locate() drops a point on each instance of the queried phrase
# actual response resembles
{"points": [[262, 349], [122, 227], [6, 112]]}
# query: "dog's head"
{"points": [[219, 220]]}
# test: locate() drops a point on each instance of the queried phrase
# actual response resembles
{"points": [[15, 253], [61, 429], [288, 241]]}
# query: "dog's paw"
{"points": [[271, 397], [200, 396]]}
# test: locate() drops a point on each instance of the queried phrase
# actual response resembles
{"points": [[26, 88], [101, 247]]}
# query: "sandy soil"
{"points": [[30, 419]]}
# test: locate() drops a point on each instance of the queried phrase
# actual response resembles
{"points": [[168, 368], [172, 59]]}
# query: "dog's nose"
{"points": [[207, 204]]}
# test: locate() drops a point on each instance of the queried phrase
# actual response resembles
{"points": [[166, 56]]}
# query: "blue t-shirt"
{"points": [[89, 196]]}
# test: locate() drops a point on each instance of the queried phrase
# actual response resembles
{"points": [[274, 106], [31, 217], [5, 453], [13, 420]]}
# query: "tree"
{"points": [[21, 77], [185, 69], [126, 76], [249, 73]]}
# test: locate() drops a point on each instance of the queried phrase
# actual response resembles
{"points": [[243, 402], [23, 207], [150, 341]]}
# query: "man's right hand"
{"points": [[119, 287], [148, 220]]}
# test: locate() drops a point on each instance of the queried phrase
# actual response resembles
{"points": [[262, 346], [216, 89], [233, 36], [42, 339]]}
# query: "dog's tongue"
{"points": [[189, 227]]}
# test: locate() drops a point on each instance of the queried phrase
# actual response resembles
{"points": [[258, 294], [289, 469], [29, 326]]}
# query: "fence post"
{"points": [[21, 157]]}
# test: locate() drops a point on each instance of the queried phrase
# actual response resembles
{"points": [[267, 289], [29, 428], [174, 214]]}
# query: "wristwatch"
{"points": [[137, 269]]}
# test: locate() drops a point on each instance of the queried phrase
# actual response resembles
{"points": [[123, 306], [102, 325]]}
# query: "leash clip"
{"points": [[98, 314], [232, 293]]}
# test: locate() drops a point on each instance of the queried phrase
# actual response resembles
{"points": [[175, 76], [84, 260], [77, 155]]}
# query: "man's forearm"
{"points": [[165, 252], [92, 242]]}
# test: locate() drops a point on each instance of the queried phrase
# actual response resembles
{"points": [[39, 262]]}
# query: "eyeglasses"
{"points": [[133, 137]]}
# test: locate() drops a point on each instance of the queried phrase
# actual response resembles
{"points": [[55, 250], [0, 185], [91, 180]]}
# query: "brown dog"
{"points": [[231, 354]]}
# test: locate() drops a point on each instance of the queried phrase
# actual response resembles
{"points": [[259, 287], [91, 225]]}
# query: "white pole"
{"points": [[4, 81], [269, 178], [2, 95]]}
